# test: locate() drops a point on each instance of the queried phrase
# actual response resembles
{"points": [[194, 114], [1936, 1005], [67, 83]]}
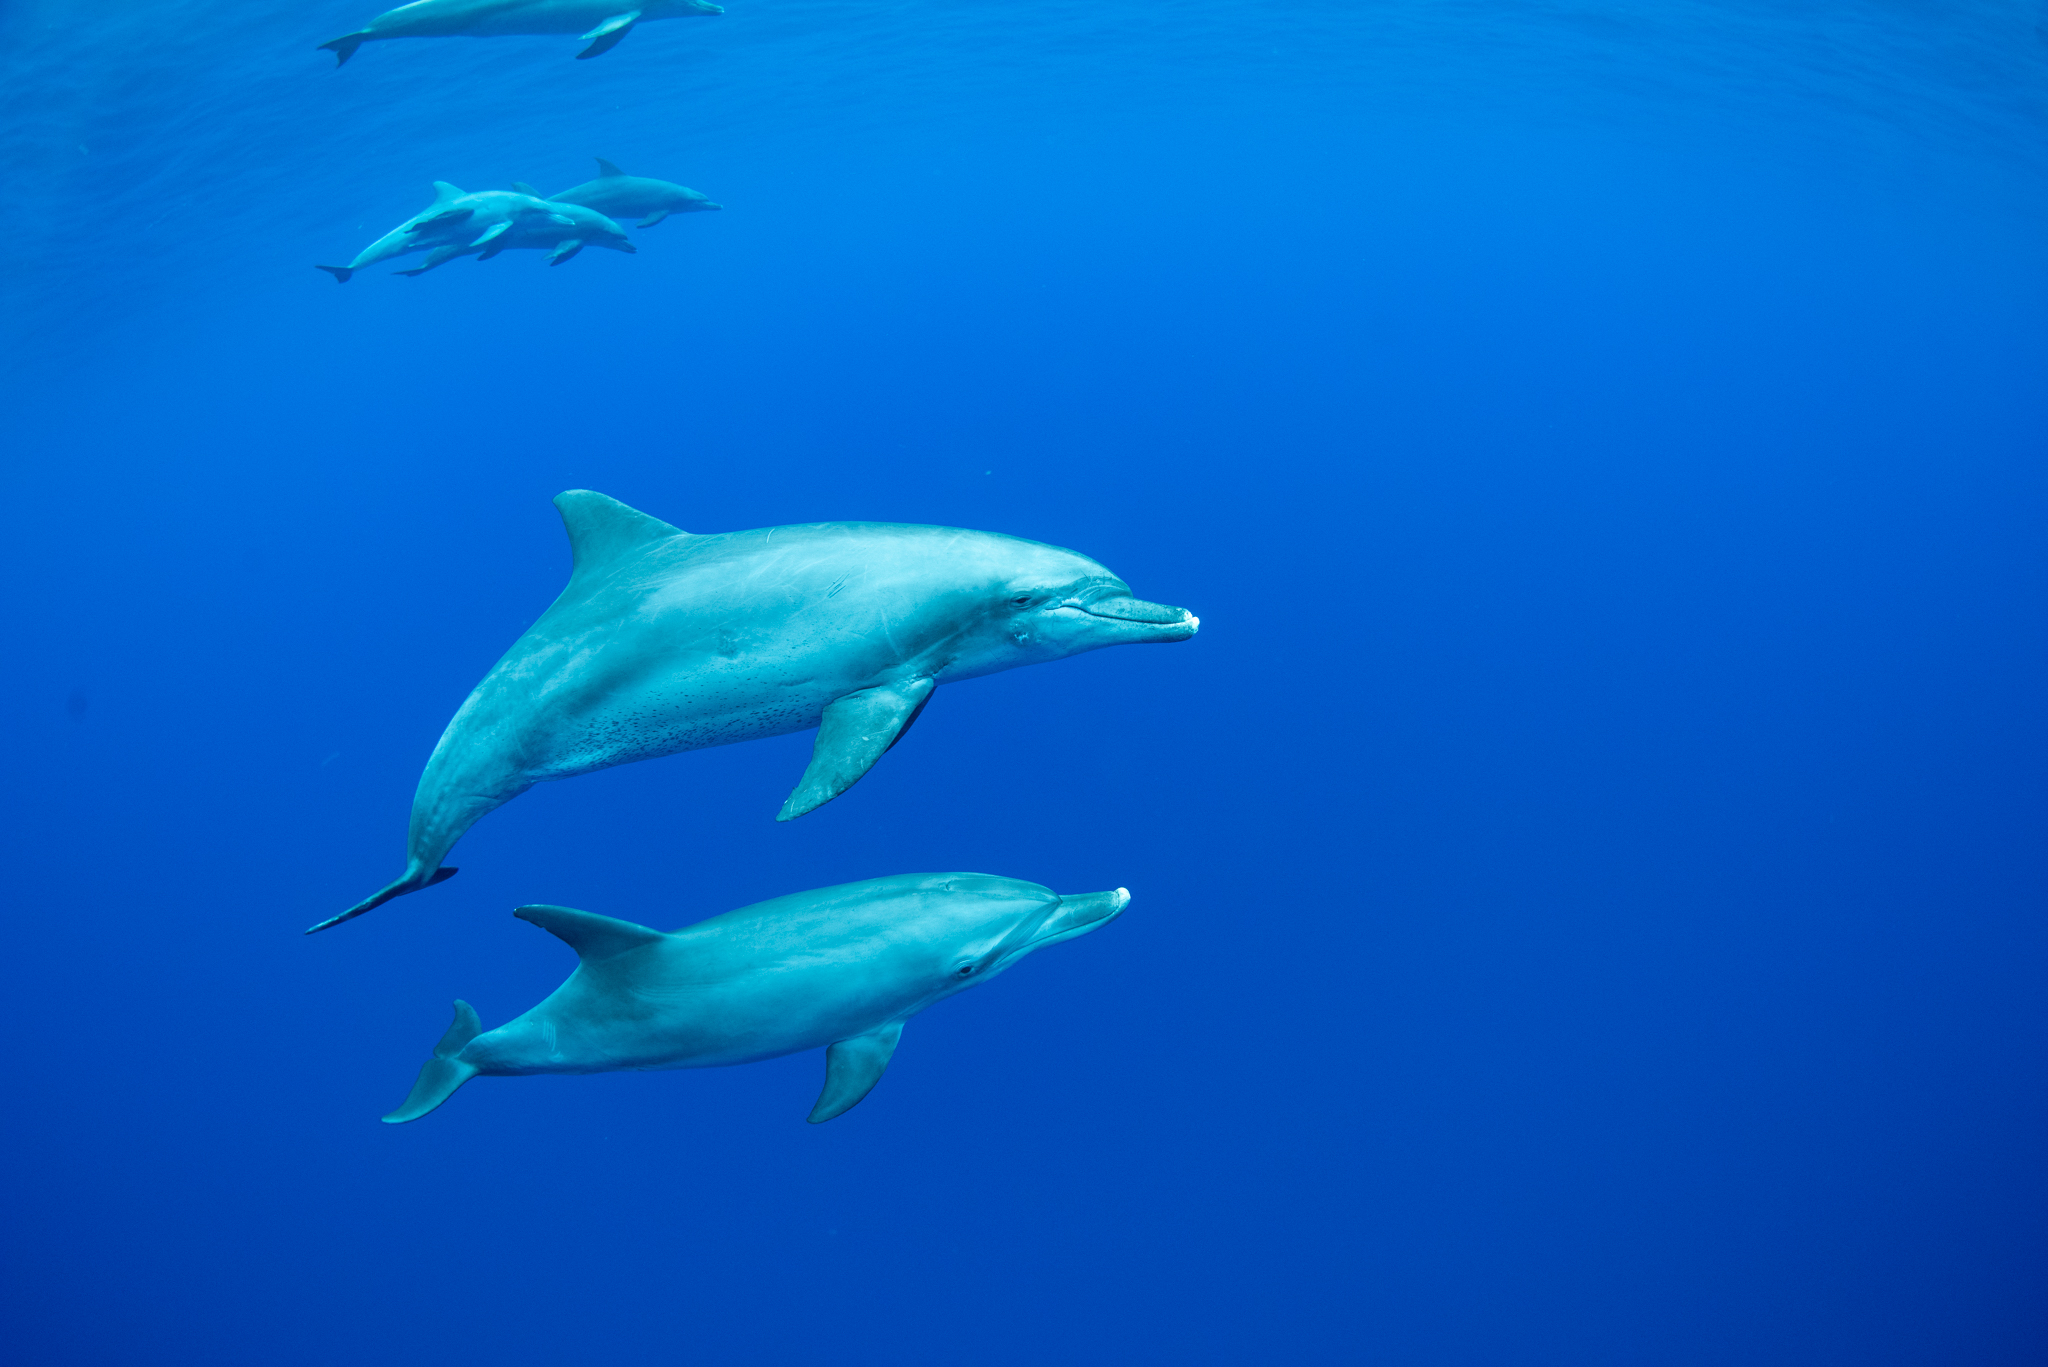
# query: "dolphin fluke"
{"points": [[344, 47], [410, 883], [340, 273], [444, 1072]]}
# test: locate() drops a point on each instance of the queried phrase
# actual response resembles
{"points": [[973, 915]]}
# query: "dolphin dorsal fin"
{"points": [[594, 938], [523, 188], [607, 168], [443, 192], [603, 530]]}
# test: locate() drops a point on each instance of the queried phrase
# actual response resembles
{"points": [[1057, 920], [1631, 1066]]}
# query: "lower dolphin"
{"points": [[664, 642], [838, 968]]}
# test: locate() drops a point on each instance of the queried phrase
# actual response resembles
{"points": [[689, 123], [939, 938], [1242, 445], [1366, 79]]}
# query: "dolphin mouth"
{"points": [[1179, 623], [1080, 913]]}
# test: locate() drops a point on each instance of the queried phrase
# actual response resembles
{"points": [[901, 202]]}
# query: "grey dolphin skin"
{"points": [[839, 968], [601, 23], [483, 224], [618, 195], [664, 642]]}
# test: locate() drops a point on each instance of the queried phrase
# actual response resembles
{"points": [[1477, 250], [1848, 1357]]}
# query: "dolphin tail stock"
{"points": [[340, 273], [344, 47], [413, 881], [444, 1072]]}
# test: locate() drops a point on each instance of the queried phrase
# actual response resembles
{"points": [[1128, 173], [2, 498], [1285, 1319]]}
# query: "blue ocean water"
{"points": [[1588, 872]]}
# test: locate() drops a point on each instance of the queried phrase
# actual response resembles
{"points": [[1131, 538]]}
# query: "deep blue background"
{"points": [[1588, 871]]}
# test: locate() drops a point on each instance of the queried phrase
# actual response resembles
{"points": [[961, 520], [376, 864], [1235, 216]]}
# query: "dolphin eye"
{"points": [[964, 971], [1021, 599]]}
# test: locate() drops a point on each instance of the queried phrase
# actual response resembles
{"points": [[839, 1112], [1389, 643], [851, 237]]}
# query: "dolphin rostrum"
{"points": [[664, 642], [483, 224], [602, 23], [841, 968], [618, 195]]}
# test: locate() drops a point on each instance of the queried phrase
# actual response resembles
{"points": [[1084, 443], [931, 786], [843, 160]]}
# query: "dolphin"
{"points": [[622, 196], [841, 968], [664, 642], [459, 223], [602, 23]]}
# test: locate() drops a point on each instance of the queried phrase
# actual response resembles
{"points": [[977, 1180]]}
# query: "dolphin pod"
{"points": [[601, 23], [839, 968], [665, 642]]}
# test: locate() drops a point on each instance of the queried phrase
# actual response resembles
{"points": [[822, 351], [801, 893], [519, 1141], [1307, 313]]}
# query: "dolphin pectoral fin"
{"points": [[855, 731], [409, 883], [594, 938], [444, 1072], [445, 216], [492, 233], [565, 251], [607, 35], [852, 1068], [340, 273], [440, 256], [652, 219]]}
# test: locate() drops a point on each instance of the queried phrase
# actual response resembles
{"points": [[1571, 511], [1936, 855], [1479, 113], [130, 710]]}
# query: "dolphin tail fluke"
{"points": [[344, 47], [340, 273], [444, 1072], [412, 882]]}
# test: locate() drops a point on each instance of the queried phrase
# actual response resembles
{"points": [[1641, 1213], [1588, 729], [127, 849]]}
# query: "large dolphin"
{"points": [[842, 967], [485, 223], [618, 195], [664, 642], [601, 22]]}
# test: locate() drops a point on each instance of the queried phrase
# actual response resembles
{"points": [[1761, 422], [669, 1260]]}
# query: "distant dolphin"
{"points": [[618, 195], [664, 642], [485, 223], [843, 967], [606, 23]]}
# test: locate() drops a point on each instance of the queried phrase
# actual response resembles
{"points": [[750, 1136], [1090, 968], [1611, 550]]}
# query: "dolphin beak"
{"points": [[1167, 624], [1080, 913]]}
